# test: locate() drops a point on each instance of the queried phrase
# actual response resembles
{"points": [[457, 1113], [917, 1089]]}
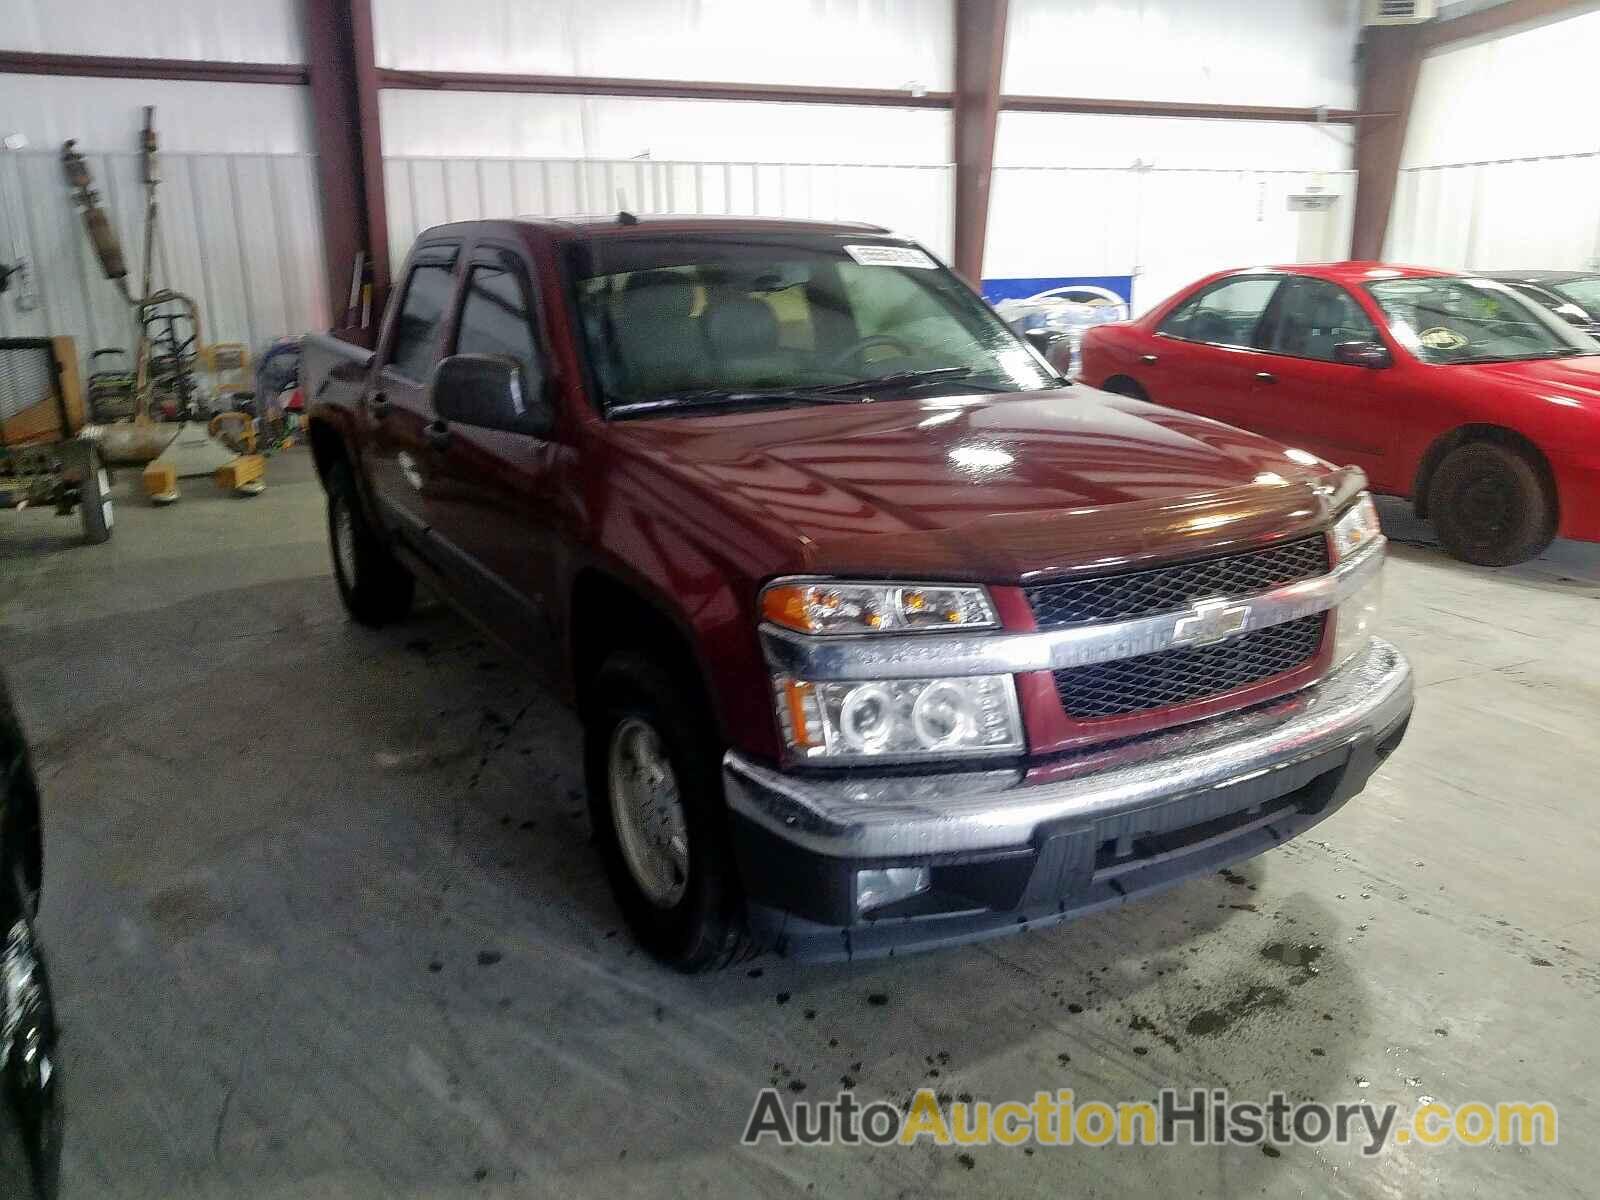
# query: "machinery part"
{"points": [[236, 430], [110, 385], [243, 475], [1490, 507], [131, 445], [375, 587], [95, 222], [94, 501], [671, 866]]}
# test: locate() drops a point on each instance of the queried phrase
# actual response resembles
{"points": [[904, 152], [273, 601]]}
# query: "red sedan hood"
{"points": [[1571, 379], [996, 487]]}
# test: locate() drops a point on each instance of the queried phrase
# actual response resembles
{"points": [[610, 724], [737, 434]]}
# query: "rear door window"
{"points": [[427, 298], [1225, 314]]}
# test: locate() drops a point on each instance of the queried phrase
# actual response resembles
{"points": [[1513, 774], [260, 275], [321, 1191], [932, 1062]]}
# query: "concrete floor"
{"points": [[325, 922]]}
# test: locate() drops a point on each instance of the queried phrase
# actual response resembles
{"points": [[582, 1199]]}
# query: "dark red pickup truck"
{"points": [[882, 634]]}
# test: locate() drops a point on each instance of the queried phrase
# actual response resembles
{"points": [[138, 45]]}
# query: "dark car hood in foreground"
{"points": [[993, 487]]}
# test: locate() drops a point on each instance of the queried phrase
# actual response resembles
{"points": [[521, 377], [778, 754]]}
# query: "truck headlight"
{"points": [[1356, 619], [1358, 526], [829, 607], [900, 718]]}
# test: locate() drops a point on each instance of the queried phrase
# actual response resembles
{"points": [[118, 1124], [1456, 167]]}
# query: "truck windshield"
{"points": [[1453, 321], [782, 320]]}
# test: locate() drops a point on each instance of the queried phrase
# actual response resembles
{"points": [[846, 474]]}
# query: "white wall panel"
{"points": [[1292, 52], [1524, 214], [422, 192], [241, 234], [1521, 96], [1501, 165], [192, 118], [1088, 140], [1166, 228], [226, 30], [859, 43], [513, 125]]}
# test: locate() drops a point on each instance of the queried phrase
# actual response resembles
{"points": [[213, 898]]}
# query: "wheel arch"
{"points": [[1125, 385], [607, 614], [1483, 432], [327, 447]]}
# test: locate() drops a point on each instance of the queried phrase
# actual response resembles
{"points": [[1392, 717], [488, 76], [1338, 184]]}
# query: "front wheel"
{"points": [[375, 587], [94, 502], [655, 800], [1489, 505]]}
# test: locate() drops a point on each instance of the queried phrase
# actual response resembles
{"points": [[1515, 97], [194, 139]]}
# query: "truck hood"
{"points": [[1001, 488]]}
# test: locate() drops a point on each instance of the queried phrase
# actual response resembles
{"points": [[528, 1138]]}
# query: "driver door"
{"points": [[1302, 397]]}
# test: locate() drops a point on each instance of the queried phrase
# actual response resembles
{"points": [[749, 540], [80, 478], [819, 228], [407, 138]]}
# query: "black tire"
{"points": [[703, 928], [375, 587], [94, 502], [1121, 385], [1490, 506]]}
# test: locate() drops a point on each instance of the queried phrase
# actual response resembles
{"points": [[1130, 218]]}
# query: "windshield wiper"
{"points": [[719, 397], [898, 379]]}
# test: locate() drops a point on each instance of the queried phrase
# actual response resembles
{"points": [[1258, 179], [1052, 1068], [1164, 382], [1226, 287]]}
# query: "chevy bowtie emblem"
{"points": [[1209, 622]]}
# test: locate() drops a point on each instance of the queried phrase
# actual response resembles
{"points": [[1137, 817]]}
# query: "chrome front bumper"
{"points": [[881, 817]]}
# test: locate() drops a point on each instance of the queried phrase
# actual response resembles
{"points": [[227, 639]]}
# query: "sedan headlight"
{"points": [[1356, 528], [900, 718], [828, 607]]}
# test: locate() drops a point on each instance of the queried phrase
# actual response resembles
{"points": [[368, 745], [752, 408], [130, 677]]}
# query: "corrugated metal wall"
{"points": [[914, 200], [241, 233]]}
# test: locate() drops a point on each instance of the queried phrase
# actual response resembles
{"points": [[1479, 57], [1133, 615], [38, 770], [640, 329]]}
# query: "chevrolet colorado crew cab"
{"points": [[882, 634]]}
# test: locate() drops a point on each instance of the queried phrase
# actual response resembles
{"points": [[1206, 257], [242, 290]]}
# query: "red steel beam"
{"points": [[1176, 108], [344, 110], [17, 62], [585, 85], [980, 36], [1391, 60], [1499, 19]]}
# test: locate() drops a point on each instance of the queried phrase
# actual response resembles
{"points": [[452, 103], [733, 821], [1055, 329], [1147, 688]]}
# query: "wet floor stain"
{"points": [[183, 910], [1300, 957], [1211, 1021]]}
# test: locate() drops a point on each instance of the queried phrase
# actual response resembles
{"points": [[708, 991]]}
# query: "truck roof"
{"points": [[623, 224]]}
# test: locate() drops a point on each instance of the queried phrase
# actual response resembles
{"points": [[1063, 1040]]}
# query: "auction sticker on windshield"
{"points": [[890, 256]]}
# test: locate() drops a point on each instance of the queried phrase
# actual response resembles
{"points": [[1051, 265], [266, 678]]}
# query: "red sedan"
{"points": [[1450, 390]]}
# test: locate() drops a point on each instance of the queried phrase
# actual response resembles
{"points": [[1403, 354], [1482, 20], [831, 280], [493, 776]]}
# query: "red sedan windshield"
{"points": [[1449, 320]]}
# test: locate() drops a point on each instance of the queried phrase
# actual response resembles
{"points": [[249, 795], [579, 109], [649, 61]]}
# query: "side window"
{"points": [[496, 319], [1224, 315], [427, 296], [1312, 317]]}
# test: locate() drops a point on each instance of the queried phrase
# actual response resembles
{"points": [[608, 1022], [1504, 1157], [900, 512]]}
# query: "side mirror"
{"points": [[1373, 355], [490, 392], [1570, 313], [1041, 340]]}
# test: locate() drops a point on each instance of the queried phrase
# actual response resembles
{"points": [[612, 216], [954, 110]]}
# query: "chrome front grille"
{"points": [[1167, 589], [1169, 678]]}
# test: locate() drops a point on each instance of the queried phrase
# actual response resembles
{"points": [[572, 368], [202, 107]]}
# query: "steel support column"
{"points": [[344, 105], [979, 58]]}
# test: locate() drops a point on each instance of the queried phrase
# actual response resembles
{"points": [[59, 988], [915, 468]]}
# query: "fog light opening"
{"points": [[882, 886]]}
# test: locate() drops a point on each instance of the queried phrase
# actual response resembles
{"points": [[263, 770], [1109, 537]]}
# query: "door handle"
{"points": [[378, 406], [1266, 377], [438, 435], [1148, 358]]}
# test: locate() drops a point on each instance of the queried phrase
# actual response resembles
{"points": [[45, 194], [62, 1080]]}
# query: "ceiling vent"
{"points": [[1398, 12]]}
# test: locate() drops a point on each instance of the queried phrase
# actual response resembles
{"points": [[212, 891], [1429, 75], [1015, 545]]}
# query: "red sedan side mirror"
{"points": [[1374, 355]]}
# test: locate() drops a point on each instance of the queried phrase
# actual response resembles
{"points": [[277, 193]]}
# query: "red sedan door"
{"points": [[1203, 358], [1303, 398]]}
